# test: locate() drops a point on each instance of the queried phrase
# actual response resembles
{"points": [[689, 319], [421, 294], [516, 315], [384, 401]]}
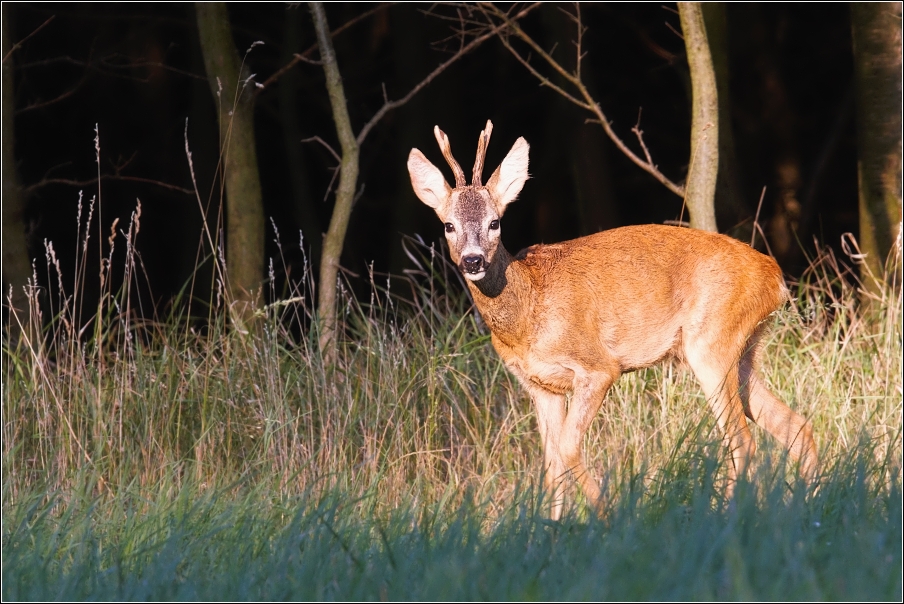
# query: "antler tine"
{"points": [[446, 148], [482, 143]]}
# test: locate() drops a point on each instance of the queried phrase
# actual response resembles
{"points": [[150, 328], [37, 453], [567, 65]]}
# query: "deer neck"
{"points": [[504, 297]]}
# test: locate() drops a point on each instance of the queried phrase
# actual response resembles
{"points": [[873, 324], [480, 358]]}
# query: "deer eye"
{"points": [[449, 227], [494, 225]]}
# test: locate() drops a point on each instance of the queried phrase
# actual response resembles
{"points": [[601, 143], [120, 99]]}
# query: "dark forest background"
{"points": [[136, 72]]}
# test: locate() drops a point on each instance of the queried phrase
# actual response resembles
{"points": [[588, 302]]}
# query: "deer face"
{"points": [[470, 213], [472, 230]]}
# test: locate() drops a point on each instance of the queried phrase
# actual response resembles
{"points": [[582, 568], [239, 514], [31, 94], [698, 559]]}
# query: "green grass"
{"points": [[164, 462], [842, 543]]}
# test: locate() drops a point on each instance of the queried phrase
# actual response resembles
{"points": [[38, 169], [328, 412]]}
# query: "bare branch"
{"points": [[108, 66], [305, 56], [491, 11], [389, 106], [103, 66], [19, 44], [86, 183], [674, 31], [544, 81], [57, 99], [570, 77], [133, 63], [576, 18]]}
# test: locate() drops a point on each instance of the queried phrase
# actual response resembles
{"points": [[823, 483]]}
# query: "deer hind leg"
{"points": [[718, 375], [550, 409], [767, 411]]}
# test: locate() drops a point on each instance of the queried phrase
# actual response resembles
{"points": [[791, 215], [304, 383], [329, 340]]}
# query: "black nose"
{"points": [[472, 264]]}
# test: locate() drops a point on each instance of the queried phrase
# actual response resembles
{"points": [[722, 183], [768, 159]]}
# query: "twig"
{"points": [[756, 219], [329, 187], [576, 18], [765, 241], [674, 31], [305, 59], [639, 134], [317, 139]]}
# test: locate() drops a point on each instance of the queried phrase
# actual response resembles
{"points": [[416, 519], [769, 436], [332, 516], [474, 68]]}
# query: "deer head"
{"points": [[470, 213]]}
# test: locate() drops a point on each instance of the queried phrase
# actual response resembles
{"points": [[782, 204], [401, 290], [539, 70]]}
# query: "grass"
{"points": [[842, 543], [170, 461]]}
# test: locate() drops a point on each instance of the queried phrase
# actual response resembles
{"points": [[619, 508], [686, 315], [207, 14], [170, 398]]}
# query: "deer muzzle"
{"points": [[473, 266]]}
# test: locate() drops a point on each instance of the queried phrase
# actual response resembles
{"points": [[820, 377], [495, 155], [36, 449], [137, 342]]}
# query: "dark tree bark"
{"points": [[409, 39], [731, 208], [304, 206], [781, 124], [16, 264], [876, 32], [244, 203], [586, 152]]}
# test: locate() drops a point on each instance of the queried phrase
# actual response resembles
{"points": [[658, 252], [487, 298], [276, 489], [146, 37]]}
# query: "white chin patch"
{"points": [[475, 276]]}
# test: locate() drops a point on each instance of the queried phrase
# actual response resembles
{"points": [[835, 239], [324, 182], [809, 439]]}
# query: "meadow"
{"points": [[186, 460]]}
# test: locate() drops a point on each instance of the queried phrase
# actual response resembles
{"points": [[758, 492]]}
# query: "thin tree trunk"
{"points": [[700, 189], [345, 194], [244, 202], [16, 266], [876, 32]]}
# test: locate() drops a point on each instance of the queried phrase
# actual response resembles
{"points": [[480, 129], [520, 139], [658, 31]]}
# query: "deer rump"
{"points": [[569, 318]]}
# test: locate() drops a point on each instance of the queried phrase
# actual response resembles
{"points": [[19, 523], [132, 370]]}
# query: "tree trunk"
{"points": [[16, 265], [345, 194], [700, 189], [244, 203], [876, 33]]}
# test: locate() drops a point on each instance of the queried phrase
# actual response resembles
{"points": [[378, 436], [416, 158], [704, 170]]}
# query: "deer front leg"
{"points": [[589, 391], [550, 408]]}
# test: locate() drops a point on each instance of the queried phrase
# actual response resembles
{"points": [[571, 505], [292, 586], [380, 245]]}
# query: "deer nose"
{"points": [[472, 264]]}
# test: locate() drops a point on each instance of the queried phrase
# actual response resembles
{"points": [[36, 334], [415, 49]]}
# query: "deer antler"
{"points": [[446, 148], [482, 143]]}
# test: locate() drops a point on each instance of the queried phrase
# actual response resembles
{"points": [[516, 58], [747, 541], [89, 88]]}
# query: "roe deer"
{"points": [[570, 318]]}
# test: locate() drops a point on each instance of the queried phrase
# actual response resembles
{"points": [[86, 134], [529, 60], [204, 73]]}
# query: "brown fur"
{"points": [[570, 318]]}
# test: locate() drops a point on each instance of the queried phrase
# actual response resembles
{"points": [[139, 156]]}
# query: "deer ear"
{"points": [[427, 181], [508, 179]]}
